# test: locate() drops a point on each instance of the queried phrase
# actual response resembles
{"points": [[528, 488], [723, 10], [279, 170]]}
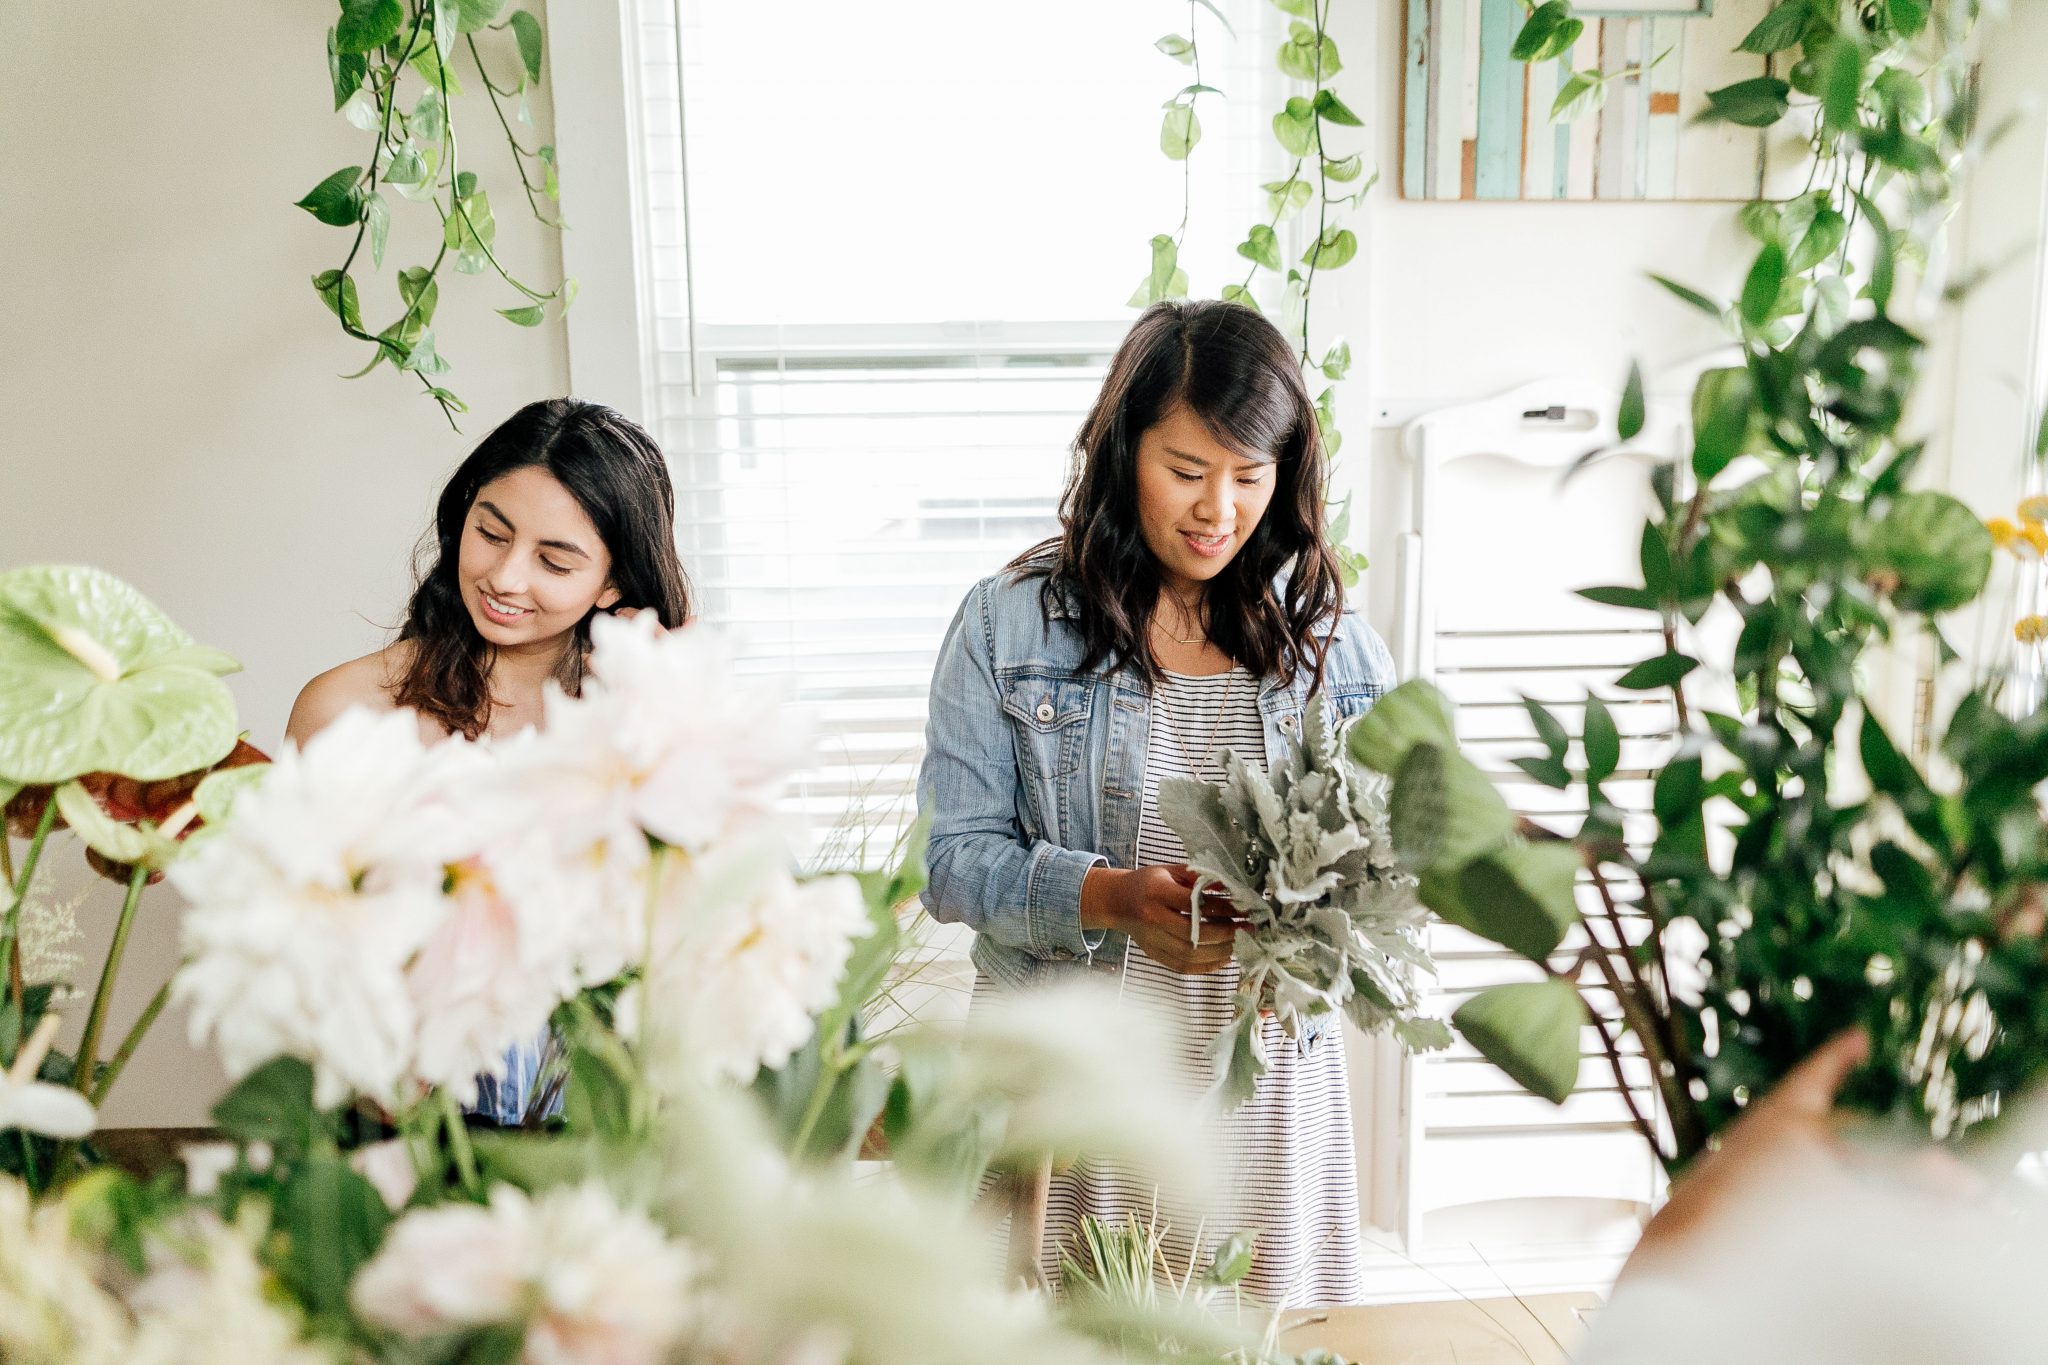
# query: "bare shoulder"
{"points": [[366, 682]]}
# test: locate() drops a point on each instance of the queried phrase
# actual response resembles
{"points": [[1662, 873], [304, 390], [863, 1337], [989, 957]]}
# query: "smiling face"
{"points": [[1199, 500], [532, 565]]}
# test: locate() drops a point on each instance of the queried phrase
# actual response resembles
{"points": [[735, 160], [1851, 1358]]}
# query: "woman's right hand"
{"points": [[1150, 905]]}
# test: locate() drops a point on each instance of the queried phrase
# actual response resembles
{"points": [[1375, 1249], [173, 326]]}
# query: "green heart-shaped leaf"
{"points": [[1522, 897], [1413, 713], [93, 678], [1529, 1030]]}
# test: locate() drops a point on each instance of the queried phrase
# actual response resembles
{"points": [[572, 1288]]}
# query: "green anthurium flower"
{"points": [[93, 678], [141, 843]]}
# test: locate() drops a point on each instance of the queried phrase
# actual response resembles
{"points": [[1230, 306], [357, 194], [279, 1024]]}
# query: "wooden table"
{"points": [[1539, 1330]]}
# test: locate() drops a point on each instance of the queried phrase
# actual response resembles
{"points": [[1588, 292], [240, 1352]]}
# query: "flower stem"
{"points": [[458, 1144], [130, 1043], [88, 1046], [10, 932]]}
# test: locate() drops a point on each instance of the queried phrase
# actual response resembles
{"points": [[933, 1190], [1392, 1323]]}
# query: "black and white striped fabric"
{"points": [[1288, 1169]]}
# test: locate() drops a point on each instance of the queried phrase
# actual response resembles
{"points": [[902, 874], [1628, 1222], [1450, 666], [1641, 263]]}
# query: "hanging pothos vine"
{"points": [[1317, 179], [371, 48]]}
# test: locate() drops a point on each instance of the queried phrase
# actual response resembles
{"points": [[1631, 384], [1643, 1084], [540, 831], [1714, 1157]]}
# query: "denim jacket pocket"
{"points": [[1050, 716]]}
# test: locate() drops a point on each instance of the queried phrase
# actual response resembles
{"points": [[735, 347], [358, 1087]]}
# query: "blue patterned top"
{"points": [[503, 1099]]}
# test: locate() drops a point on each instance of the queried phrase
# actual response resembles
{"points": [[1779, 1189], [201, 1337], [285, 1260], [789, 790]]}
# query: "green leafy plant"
{"points": [[1318, 178], [112, 720], [392, 64], [1798, 871]]}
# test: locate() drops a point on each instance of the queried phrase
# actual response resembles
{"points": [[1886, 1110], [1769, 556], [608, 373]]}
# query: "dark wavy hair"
{"points": [[616, 473], [1232, 369]]}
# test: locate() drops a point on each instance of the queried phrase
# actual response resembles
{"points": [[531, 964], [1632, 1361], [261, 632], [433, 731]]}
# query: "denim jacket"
{"points": [[1034, 771]]}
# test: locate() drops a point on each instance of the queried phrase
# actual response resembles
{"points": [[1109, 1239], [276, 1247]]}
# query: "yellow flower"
{"points": [[2033, 541], [2003, 532], [2031, 630], [2034, 510]]}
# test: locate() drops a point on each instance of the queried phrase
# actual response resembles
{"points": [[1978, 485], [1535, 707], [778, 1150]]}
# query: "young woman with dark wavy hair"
{"points": [[1190, 603], [564, 511]]}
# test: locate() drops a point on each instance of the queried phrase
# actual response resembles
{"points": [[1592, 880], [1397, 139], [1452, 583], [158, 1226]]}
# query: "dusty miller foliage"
{"points": [[1305, 855]]}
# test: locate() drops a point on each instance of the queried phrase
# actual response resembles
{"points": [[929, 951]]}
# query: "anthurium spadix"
{"points": [[93, 678]]}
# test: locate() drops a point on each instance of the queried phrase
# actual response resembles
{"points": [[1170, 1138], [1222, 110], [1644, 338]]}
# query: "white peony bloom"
{"points": [[350, 913], [667, 738], [590, 1281], [36, 1106], [745, 957], [483, 981], [216, 1305], [52, 1308]]}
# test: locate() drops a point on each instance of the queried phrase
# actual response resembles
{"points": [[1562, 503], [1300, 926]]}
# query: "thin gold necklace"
{"points": [[1222, 709], [1201, 636]]}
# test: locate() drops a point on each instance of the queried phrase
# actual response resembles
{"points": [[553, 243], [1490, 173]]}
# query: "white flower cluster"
{"points": [[398, 914], [743, 958], [587, 1280], [1306, 856], [205, 1300]]}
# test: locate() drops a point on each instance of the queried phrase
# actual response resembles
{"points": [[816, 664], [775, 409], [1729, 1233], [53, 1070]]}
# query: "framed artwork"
{"points": [[1477, 124]]}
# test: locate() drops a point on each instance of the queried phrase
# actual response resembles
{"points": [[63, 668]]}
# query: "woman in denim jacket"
{"points": [[1191, 603]]}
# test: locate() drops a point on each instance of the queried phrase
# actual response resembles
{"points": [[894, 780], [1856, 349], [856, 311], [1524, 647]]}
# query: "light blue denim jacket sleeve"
{"points": [[990, 871], [1034, 771]]}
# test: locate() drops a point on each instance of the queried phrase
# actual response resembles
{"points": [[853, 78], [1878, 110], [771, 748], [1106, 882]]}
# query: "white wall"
{"points": [[170, 379], [1469, 299]]}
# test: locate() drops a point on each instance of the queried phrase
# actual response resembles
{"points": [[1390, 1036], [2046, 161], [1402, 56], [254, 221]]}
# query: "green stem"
{"points": [[88, 1046], [828, 1081], [130, 1043], [10, 932], [29, 1173], [520, 153], [458, 1144], [1320, 13]]}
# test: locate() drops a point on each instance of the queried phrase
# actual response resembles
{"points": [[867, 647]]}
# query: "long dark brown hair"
{"points": [[1232, 369], [616, 473]]}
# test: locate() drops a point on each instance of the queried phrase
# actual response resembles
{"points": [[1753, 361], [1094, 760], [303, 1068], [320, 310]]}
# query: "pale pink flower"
{"points": [[745, 957], [592, 1283], [389, 1167], [667, 738]]}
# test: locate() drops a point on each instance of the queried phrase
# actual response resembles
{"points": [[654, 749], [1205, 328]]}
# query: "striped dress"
{"points": [[504, 1099], [1289, 1169]]}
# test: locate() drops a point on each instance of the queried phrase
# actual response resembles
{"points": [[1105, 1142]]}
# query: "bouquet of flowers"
{"points": [[1305, 854]]}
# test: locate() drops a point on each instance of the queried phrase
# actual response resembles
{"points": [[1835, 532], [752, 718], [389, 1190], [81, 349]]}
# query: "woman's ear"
{"points": [[609, 598]]}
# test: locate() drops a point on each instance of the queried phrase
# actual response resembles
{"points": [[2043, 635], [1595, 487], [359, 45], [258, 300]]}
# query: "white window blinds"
{"points": [[881, 301], [1503, 540]]}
